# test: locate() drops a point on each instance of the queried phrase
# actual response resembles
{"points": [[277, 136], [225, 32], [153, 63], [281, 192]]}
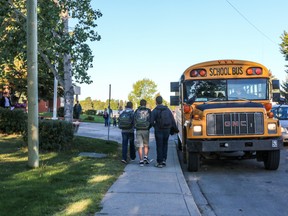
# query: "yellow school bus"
{"points": [[224, 106]]}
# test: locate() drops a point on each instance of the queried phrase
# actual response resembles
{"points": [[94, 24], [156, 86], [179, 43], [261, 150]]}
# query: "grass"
{"points": [[83, 117], [64, 183]]}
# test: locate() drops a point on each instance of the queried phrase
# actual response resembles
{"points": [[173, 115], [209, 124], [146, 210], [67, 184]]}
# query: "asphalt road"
{"points": [[240, 187]]}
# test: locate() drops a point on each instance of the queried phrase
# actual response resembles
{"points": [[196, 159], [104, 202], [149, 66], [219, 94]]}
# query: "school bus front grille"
{"points": [[236, 123]]}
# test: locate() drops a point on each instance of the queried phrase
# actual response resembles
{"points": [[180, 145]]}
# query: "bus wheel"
{"points": [[271, 159], [193, 161], [179, 144], [184, 149]]}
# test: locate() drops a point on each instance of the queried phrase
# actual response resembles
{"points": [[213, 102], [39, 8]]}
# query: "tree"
{"points": [[284, 51], [87, 104], [57, 45], [143, 89]]}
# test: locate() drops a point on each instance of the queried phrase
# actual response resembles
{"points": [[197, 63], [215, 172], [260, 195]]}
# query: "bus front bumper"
{"points": [[234, 145]]}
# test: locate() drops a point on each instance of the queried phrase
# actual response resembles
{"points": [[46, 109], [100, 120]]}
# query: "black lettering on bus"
{"points": [[219, 71], [237, 71]]}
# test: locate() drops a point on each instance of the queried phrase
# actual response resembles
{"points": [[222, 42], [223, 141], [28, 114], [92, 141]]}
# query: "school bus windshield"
{"points": [[226, 90]]}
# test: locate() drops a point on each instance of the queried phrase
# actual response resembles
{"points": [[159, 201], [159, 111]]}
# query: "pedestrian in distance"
{"points": [[5, 101], [126, 124], [162, 120], [106, 117], [114, 121], [142, 125], [77, 110]]}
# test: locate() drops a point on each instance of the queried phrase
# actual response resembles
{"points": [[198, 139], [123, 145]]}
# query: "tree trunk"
{"points": [[68, 87]]}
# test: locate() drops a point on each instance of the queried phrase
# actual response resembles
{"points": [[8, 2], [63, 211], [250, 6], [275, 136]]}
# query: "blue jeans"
{"points": [[162, 137], [128, 136], [106, 122]]}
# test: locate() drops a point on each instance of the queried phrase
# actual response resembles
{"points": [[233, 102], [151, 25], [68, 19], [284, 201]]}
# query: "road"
{"points": [[240, 187]]}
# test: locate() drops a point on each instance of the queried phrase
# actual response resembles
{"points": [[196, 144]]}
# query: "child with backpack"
{"points": [[125, 123], [142, 125], [162, 120]]}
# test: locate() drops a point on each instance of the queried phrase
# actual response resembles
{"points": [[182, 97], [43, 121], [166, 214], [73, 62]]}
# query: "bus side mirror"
{"points": [[174, 100], [276, 97], [275, 84], [174, 86]]}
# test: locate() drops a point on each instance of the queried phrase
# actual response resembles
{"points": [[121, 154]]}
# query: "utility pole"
{"points": [[32, 62]]}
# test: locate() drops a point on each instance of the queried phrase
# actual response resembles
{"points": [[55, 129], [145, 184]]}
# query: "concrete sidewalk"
{"points": [[145, 190]]}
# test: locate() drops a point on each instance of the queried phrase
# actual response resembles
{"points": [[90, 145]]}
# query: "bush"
{"points": [[90, 112], [54, 135], [89, 118], [12, 121]]}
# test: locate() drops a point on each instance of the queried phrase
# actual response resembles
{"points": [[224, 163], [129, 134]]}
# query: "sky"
{"points": [[159, 39]]}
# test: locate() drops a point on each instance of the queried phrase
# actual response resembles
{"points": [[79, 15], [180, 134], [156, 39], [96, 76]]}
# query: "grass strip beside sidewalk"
{"points": [[64, 183]]}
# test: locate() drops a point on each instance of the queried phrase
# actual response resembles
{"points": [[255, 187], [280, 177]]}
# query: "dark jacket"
{"points": [[2, 102], [155, 115]]}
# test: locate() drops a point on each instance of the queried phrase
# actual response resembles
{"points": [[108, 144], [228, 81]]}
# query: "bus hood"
{"points": [[206, 106]]}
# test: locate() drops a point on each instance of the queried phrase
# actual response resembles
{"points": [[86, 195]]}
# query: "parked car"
{"points": [[280, 112]]}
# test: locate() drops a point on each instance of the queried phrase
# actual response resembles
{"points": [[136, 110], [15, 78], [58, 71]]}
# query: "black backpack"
{"points": [[164, 118], [142, 118], [125, 120]]}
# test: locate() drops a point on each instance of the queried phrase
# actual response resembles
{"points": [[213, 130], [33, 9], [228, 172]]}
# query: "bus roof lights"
{"points": [[194, 73], [254, 71], [258, 71], [197, 72], [202, 73], [249, 71]]}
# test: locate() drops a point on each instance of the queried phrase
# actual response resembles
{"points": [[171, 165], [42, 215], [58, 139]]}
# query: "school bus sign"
{"points": [[225, 106]]}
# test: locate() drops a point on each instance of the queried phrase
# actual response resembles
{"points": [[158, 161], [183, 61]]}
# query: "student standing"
{"points": [[105, 116], [162, 120], [142, 125]]}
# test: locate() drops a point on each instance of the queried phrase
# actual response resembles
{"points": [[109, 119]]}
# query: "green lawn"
{"points": [[64, 183], [83, 117]]}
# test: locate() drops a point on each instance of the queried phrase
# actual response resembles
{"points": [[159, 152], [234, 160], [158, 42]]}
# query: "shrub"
{"points": [[90, 118], [12, 121], [54, 135], [90, 112]]}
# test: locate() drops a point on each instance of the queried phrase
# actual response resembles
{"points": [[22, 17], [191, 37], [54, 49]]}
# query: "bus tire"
{"points": [[271, 159], [193, 162], [184, 154], [179, 144]]}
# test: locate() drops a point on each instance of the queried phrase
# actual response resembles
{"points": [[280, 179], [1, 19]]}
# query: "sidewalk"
{"points": [[145, 190]]}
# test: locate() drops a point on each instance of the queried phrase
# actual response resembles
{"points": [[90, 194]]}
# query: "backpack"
{"points": [[125, 120], [142, 118], [164, 118]]}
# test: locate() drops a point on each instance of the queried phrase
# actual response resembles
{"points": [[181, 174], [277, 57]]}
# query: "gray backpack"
{"points": [[125, 120], [142, 118]]}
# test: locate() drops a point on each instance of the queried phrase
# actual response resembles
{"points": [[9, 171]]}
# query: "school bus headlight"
{"points": [[272, 128], [197, 130]]}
